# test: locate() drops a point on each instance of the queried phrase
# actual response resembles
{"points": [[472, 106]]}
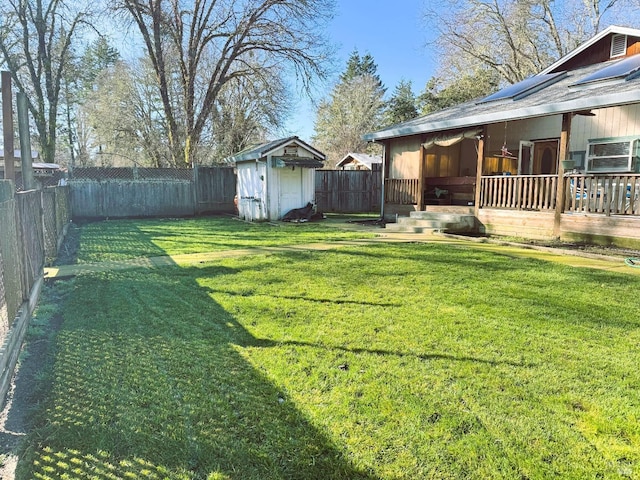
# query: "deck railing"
{"points": [[607, 194], [524, 192], [402, 191]]}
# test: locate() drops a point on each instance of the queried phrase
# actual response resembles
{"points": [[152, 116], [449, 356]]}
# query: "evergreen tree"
{"points": [[354, 108], [402, 104], [358, 66], [439, 94]]}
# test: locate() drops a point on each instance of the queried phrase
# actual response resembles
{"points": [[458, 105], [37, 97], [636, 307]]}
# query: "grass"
{"points": [[377, 362], [127, 239]]}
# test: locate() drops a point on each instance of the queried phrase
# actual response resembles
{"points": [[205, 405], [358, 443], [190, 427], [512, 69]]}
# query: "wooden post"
{"points": [[422, 156], [383, 177], [7, 126], [196, 181], [25, 142], [565, 135], [476, 202]]}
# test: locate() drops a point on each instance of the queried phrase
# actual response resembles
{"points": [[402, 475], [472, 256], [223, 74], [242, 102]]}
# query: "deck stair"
{"points": [[434, 221]]}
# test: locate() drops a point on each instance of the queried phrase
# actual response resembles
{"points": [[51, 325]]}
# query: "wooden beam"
{"points": [[7, 126], [476, 202], [563, 153], [422, 156]]}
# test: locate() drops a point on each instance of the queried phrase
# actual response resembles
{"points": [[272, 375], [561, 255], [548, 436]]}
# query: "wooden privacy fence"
{"points": [[33, 226], [151, 192], [148, 192], [348, 191]]}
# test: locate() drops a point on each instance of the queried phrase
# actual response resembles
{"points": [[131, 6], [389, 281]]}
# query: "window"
{"points": [[613, 155]]}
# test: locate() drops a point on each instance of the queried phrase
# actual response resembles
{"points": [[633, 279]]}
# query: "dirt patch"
{"points": [[68, 254], [27, 392]]}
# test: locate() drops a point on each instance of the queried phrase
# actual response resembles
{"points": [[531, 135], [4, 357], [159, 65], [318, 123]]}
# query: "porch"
{"points": [[605, 194], [594, 208]]}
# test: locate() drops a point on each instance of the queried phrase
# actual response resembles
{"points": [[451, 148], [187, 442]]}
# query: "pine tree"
{"points": [[402, 104], [354, 108]]}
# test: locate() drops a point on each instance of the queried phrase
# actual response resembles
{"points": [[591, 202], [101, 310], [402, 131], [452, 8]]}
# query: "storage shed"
{"points": [[275, 177]]}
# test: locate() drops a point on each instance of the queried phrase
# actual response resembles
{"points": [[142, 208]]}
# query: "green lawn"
{"points": [[126, 239], [375, 362]]}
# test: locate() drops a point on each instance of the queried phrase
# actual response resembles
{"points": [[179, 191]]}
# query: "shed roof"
{"points": [[363, 158], [255, 152], [556, 97]]}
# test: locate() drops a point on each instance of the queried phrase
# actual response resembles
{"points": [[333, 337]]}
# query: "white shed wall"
{"points": [[252, 188], [289, 188]]}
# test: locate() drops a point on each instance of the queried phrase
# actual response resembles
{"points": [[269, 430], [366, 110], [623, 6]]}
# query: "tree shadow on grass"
{"points": [[149, 381]]}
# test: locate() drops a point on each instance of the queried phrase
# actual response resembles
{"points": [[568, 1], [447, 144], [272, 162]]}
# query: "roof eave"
{"points": [[576, 105], [582, 47]]}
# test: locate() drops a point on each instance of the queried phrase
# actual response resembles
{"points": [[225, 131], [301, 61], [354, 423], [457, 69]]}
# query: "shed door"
{"points": [[290, 189]]}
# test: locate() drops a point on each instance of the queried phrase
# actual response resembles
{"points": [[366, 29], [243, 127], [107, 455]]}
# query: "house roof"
{"points": [[255, 152], [363, 158], [557, 96]]}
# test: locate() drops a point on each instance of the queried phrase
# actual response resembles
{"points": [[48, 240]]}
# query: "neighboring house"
{"points": [[507, 158], [359, 161], [275, 177], [45, 174]]}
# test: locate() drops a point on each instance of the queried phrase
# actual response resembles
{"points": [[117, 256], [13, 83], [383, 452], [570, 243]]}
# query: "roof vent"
{"points": [[618, 45]]}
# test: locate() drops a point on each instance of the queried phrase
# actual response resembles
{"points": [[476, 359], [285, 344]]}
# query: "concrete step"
{"points": [[422, 222], [442, 217], [399, 227]]}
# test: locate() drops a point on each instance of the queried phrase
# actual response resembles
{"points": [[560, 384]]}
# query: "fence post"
{"points": [[196, 204], [7, 126], [25, 142]]}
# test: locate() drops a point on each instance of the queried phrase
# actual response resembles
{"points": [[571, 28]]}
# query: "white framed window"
{"points": [[613, 155]]}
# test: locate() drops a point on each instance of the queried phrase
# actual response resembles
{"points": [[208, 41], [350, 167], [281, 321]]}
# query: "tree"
{"points": [[355, 108], [515, 38], [439, 94], [242, 37], [79, 82], [36, 38], [125, 118], [402, 104], [358, 66], [247, 110]]}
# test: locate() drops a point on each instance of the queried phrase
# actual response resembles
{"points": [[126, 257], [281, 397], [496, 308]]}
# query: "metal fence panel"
{"points": [[32, 234], [11, 284]]}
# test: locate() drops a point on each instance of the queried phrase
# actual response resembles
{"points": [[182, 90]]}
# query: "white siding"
{"points": [[533, 129], [621, 121]]}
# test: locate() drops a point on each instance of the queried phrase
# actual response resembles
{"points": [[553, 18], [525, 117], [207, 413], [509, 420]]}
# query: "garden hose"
{"points": [[632, 262]]}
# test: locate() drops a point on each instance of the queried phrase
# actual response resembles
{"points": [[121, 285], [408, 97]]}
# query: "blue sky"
{"points": [[392, 32]]}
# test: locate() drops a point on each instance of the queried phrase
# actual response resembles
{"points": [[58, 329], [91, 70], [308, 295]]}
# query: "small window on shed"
{"points": [[291, 150], [618, 45]]}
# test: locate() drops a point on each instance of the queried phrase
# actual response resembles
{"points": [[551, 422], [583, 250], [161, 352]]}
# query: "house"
{"points": [[359, 161], [275, 177], [554, 156]]}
